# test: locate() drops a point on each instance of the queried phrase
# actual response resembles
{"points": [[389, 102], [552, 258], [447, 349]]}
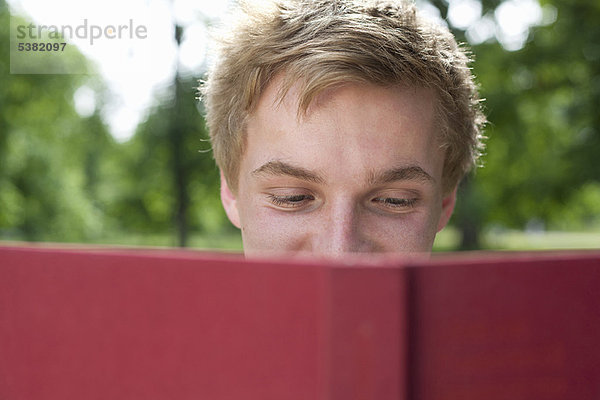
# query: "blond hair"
{"points": [[319, 44]]}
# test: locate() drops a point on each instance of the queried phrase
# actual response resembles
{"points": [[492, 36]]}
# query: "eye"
{"points": [[290, 201], [395, 204]]}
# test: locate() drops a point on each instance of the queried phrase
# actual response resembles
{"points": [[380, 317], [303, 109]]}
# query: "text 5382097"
{"points": [[41, 46]]}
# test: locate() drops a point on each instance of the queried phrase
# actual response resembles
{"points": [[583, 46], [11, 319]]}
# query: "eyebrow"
{"points": [[407, 173], [282, 168]]}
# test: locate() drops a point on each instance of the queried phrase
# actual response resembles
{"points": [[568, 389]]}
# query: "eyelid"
{"points": [[395, 201], [289, 198]]}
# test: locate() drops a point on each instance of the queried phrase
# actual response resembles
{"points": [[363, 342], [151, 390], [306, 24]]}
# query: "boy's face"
{"points": [[361, 172]]}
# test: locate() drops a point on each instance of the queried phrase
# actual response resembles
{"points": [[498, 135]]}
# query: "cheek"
{"points": [[266, 229], [412, 233]]}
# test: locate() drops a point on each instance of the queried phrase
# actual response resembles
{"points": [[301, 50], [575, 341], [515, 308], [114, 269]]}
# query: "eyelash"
{"points": [[396, 203], [298, 200], [291, 201]]}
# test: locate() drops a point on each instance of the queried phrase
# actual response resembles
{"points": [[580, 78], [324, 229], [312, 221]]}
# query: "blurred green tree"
{"points": [[50, 156], [147, 192], [542, 168], [169, 182], [64, 178]]}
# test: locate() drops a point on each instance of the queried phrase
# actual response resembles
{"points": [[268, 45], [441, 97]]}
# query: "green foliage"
{"points": [[542, 101], [47, 179], [146, 188], [64, 178]]}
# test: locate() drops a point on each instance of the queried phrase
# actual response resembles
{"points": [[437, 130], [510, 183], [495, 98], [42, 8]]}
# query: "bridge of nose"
{"points": [[341, 231]]}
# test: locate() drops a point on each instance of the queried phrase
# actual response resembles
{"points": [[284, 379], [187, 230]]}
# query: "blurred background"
{"points": [[119, 156]]}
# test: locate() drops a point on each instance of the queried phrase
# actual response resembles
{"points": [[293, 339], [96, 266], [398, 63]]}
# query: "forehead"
{"points": [[358, 126], [283, 96]]}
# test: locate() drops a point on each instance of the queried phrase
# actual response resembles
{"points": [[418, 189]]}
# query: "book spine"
{"points": [[365, 323]]}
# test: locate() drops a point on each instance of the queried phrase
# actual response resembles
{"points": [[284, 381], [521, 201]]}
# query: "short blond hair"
{"points": [[319, 44]]}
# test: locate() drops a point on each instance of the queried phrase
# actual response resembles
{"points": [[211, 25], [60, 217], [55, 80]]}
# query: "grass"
{"points": [[222, 241], [449, 240], [518, 240], [446, 240], [230, 241]]}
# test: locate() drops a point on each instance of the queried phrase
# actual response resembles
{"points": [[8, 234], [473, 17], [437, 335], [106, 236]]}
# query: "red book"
{"points": [[108, 324]]}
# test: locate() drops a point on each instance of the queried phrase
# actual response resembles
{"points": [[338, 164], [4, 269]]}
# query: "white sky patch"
{"points": [[135, 70], [481, 30], [192, 53], [514, 18], [187, 12], [85, 101], [464, 13], [509, 24], [430, 12], [549, 14]]}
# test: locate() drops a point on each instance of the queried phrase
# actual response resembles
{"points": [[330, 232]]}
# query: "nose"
{"points": [[341, 232]]}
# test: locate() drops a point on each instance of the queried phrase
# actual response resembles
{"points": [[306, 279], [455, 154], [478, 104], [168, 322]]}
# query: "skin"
{"points": [[361, 171]]}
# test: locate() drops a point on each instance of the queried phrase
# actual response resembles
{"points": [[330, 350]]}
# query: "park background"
{"points": [[67, 177]]}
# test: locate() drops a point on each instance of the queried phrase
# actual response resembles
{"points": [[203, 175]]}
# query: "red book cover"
{"points": [[517, 327], [98, 324]]}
